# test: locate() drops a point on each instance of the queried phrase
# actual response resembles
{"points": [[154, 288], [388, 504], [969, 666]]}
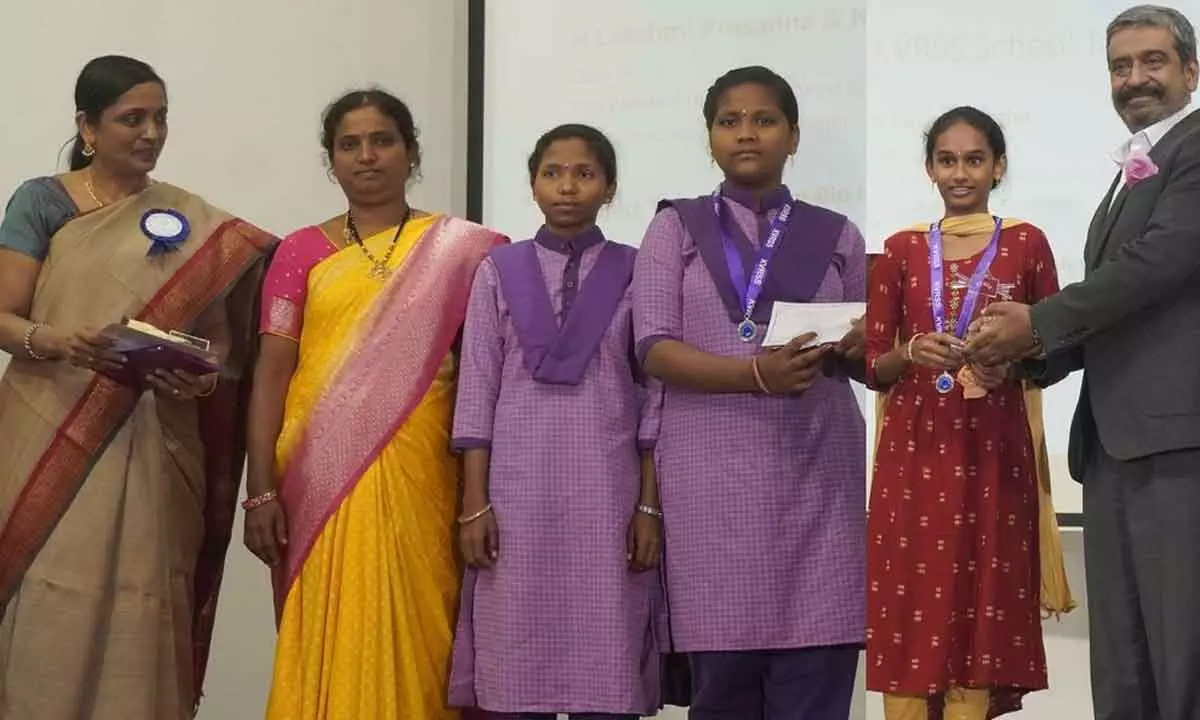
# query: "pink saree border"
{"points": [[382, 379]]}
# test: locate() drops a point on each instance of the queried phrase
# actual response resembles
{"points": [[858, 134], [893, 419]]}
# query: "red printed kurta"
{"points": [[953, 571]]}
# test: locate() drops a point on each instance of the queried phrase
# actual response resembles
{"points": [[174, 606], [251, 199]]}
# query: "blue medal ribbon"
{"points": [[749, 293], [944, 382]]}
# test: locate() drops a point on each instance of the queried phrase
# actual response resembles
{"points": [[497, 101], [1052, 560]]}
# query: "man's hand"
{"points": [[1004, 333]]}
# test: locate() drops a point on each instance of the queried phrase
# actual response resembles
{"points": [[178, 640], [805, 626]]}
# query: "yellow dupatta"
{"points": [[974, 224], [1055, 589]]}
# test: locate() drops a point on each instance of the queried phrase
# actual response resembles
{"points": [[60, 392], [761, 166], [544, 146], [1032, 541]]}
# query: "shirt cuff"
{"points": [[644, 345]]}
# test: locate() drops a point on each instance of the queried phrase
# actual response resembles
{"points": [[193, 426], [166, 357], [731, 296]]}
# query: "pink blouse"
{"points": [[286, 285]]}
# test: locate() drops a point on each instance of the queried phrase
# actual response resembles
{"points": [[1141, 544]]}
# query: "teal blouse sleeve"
{"points": [[36, 211]]}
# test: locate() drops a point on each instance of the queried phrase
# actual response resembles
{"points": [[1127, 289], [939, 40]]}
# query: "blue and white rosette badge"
{"points": [[167, 230]]}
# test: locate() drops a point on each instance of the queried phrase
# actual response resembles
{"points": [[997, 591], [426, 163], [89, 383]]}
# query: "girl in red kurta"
{"points": [[954, 622]]}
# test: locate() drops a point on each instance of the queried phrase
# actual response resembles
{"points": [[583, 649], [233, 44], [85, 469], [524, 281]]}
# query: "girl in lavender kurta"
{"points": [[561, 521], [761, 455]]}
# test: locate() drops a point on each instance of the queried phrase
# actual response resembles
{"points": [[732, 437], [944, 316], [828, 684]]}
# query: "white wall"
{"points": [[639, 72], [247, 83]]}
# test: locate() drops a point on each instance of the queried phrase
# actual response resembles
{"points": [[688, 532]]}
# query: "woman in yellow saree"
{"points": [[116, 498], [353, 489]]}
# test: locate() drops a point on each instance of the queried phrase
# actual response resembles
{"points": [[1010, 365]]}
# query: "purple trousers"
{"points": [[805, 684]]}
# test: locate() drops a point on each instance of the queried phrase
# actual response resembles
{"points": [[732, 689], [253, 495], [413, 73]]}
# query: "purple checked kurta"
{"points": [[560, 624], [764, 496]]}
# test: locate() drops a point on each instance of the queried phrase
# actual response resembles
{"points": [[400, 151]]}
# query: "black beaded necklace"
{"points": [[379, 268]]}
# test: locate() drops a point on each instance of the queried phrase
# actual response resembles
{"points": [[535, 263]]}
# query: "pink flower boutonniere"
{"points": [[1137, 167]]}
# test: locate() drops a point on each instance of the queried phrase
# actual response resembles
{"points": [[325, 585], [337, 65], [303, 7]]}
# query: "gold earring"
{"points": [[88, 150]]}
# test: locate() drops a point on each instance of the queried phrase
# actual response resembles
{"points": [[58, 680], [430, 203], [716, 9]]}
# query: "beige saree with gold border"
{"points": [[115, 505]]}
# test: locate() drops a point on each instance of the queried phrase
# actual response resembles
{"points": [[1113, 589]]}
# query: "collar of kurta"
{"points": [[568, 245], [758, 201]]}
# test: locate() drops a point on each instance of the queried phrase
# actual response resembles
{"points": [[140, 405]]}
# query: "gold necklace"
{"points": [[87, 183], [379, 268], [91, 189]]}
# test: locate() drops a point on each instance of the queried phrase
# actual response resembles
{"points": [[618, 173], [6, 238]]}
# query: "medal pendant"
{"points": [[971, 387]]}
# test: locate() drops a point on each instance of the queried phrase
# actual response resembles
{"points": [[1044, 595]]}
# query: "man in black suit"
{"points": [[1133, 326]]}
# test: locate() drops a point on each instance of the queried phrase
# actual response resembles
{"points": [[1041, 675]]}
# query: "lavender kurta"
{"points": [[764, 497], [560, 623]]}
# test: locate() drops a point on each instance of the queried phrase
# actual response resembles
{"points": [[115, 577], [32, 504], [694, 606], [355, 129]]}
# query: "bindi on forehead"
{"points": [[566, 166], [967, 153], [744, 111]]}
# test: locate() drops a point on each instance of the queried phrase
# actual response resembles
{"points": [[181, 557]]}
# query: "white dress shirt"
{"points": [[1142, 141]]}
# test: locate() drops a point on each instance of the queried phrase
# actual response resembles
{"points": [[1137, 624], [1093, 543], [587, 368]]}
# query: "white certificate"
{"points": [[830, 321]]}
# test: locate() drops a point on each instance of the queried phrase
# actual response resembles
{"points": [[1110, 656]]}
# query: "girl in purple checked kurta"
{"points": [[761, 455], [561, 521]]}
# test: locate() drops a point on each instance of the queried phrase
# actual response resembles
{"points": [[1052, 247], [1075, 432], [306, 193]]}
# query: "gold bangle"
{"points": [[758, 378], [908, 357], [259, 500], [468, 519]]}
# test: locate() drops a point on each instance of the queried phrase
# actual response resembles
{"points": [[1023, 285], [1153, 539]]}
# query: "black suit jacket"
{"points": [[1133, 323]]}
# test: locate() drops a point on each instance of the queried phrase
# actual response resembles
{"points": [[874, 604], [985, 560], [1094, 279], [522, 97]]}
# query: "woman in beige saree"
{"points": [[116, 500]]}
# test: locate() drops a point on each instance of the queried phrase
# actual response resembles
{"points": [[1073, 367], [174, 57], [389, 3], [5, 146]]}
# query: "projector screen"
{"points": [[639, 72], [870, 77]]}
